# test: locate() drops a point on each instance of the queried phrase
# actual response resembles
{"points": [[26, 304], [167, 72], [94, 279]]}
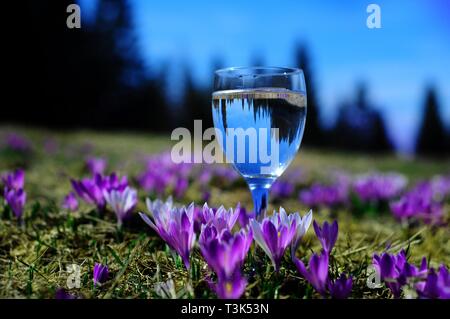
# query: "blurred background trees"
{"points": [[89, 77], [433, 140], [313, 131], [95, 77], [360, 126]]}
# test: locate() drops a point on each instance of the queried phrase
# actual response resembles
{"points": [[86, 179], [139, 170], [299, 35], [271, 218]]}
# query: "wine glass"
{"points": [[259, 115]]}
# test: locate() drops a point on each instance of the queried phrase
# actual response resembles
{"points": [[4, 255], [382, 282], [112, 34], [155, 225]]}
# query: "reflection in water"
{"points": [[267, 109]]}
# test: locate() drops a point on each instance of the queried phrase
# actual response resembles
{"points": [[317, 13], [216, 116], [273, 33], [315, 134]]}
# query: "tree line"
{"points": [[95, 77]]}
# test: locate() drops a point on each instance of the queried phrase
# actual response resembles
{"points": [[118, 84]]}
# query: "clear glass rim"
{"points": [[239, 71]]}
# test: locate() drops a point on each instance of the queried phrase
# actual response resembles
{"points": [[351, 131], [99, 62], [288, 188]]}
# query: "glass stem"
{"points": [[260, 194]]}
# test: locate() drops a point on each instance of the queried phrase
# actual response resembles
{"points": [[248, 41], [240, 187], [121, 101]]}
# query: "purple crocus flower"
{"points": [[198, 219], [229, 174], [122, 202], [317, 274], [341, 287], [112, 182], [96, 165], [396, 271], [174, 225], [15, 200], [441, 187], [162, 173], [70, 202], [327, 235], [91, 190], [274, 234], [230, 287], [389, 266], [206, 194], [244, 216], [224, 252], [296, 176], [220, 218], [181, 185], [205, 175], [282, 189], [219, 173], [324, 195], [302, 226], [14, 180], [419, 203], [14, 194], [379, 187], [101, 274], [224, 173], [409, 270], [17, 142], [436, 285], [61, 293], [155, 182]]}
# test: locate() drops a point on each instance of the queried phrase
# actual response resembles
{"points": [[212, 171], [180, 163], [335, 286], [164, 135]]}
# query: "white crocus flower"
{"points": [[121, 202]]}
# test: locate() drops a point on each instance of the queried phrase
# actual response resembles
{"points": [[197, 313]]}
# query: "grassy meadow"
{"points": [[35, 254]]}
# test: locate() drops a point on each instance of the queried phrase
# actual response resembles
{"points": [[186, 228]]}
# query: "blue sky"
{"points": [[397, 62]]}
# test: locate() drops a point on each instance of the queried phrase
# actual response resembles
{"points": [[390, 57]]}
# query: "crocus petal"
{"points": [[174, 225]]}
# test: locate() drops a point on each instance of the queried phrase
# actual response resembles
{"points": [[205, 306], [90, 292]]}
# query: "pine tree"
{"points": [[361, 127], [197, 103], [313, 133], [379, 140], [432, 135]]}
